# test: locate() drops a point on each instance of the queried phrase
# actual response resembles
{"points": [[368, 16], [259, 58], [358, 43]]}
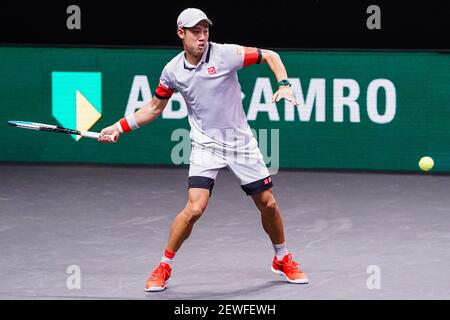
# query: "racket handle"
{"points": [[96, 135]]}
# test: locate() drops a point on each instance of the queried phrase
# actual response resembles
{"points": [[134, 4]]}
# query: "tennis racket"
{"points": [[52, 128]]}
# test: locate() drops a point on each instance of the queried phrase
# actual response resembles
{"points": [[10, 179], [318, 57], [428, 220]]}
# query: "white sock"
{"points": [[280, 250], [168, 257], [167, 260]]}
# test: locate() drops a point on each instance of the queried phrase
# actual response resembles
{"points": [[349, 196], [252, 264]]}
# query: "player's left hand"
{"points": [[285, 92]]}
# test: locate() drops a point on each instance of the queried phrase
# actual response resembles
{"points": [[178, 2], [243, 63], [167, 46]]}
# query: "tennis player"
{"points": [[205, 73]]}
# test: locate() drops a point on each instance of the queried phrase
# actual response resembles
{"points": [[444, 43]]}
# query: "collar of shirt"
{"points": [[204, 58]]}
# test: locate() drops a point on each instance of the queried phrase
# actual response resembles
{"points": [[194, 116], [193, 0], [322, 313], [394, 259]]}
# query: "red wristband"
{"points": [[127, 124]]}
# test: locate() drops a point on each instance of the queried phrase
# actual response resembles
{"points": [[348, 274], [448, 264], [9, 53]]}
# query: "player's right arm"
{"points": [[146, 114], [150, 111]]}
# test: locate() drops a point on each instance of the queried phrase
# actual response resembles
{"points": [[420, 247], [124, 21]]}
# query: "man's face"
{"points": [[195, 38]]}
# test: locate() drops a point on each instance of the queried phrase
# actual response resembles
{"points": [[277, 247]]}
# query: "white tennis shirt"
{"points": [[212, 94]]}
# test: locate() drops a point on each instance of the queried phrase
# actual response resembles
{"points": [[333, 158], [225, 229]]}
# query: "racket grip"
{"points": [[96, 135]]}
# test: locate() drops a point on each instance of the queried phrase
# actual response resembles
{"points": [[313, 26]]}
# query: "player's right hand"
{"points": [[111, 130]]}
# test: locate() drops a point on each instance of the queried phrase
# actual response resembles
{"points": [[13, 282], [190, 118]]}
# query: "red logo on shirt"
{"points": [[268, 180], [211, 70]]}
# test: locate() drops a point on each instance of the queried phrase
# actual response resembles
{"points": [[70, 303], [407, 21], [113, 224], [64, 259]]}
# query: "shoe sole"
{"points": [[297, 281], [157, 289]]}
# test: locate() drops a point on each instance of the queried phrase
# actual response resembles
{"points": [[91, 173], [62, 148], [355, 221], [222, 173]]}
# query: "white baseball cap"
{"points": [[190, 17]]}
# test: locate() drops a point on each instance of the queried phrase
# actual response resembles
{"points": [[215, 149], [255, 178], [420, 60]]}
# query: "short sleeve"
{"points": [[232, 56], [166, 86], [237, 57]]}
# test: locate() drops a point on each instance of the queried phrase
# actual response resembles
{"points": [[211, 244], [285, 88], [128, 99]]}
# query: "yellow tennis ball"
{"points": [[426, 163]]}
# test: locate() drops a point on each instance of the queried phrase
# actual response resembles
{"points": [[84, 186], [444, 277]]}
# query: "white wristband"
{"points": [[119, 127], [127, 124], [131, 119]]}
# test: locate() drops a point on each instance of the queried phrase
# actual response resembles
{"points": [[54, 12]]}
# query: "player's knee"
{"points": [[193, 212], [269, 205]]}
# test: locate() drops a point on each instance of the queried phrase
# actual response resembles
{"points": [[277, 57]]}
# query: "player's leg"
{"points": [[272, 222], [270, 215], [181, 229], [256, 181], [203, 169], [184, 222]]}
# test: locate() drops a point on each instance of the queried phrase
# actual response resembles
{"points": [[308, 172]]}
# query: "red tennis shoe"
{"points": [[289, 269], [159, 277]]}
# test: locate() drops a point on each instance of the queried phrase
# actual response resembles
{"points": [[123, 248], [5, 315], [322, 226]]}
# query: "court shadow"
{"points": [[176, 292]]}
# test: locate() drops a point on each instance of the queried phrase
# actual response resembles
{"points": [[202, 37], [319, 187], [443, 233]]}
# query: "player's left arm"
{"points": [[276, 65]]}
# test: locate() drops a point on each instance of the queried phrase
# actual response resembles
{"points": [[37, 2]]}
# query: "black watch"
{"points": [[284, 82]]}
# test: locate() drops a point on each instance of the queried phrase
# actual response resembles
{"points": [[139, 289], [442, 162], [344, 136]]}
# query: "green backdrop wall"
{"points": [[360, 110]]}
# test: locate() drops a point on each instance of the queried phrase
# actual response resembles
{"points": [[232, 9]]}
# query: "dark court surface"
{"points": [[349, 231]]}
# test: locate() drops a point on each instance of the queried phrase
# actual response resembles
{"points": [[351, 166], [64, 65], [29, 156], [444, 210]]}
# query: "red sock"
{"points": [[168, 257]]}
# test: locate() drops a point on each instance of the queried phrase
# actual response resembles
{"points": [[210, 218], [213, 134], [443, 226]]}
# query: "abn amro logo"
{"points": [[77, 99]]}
